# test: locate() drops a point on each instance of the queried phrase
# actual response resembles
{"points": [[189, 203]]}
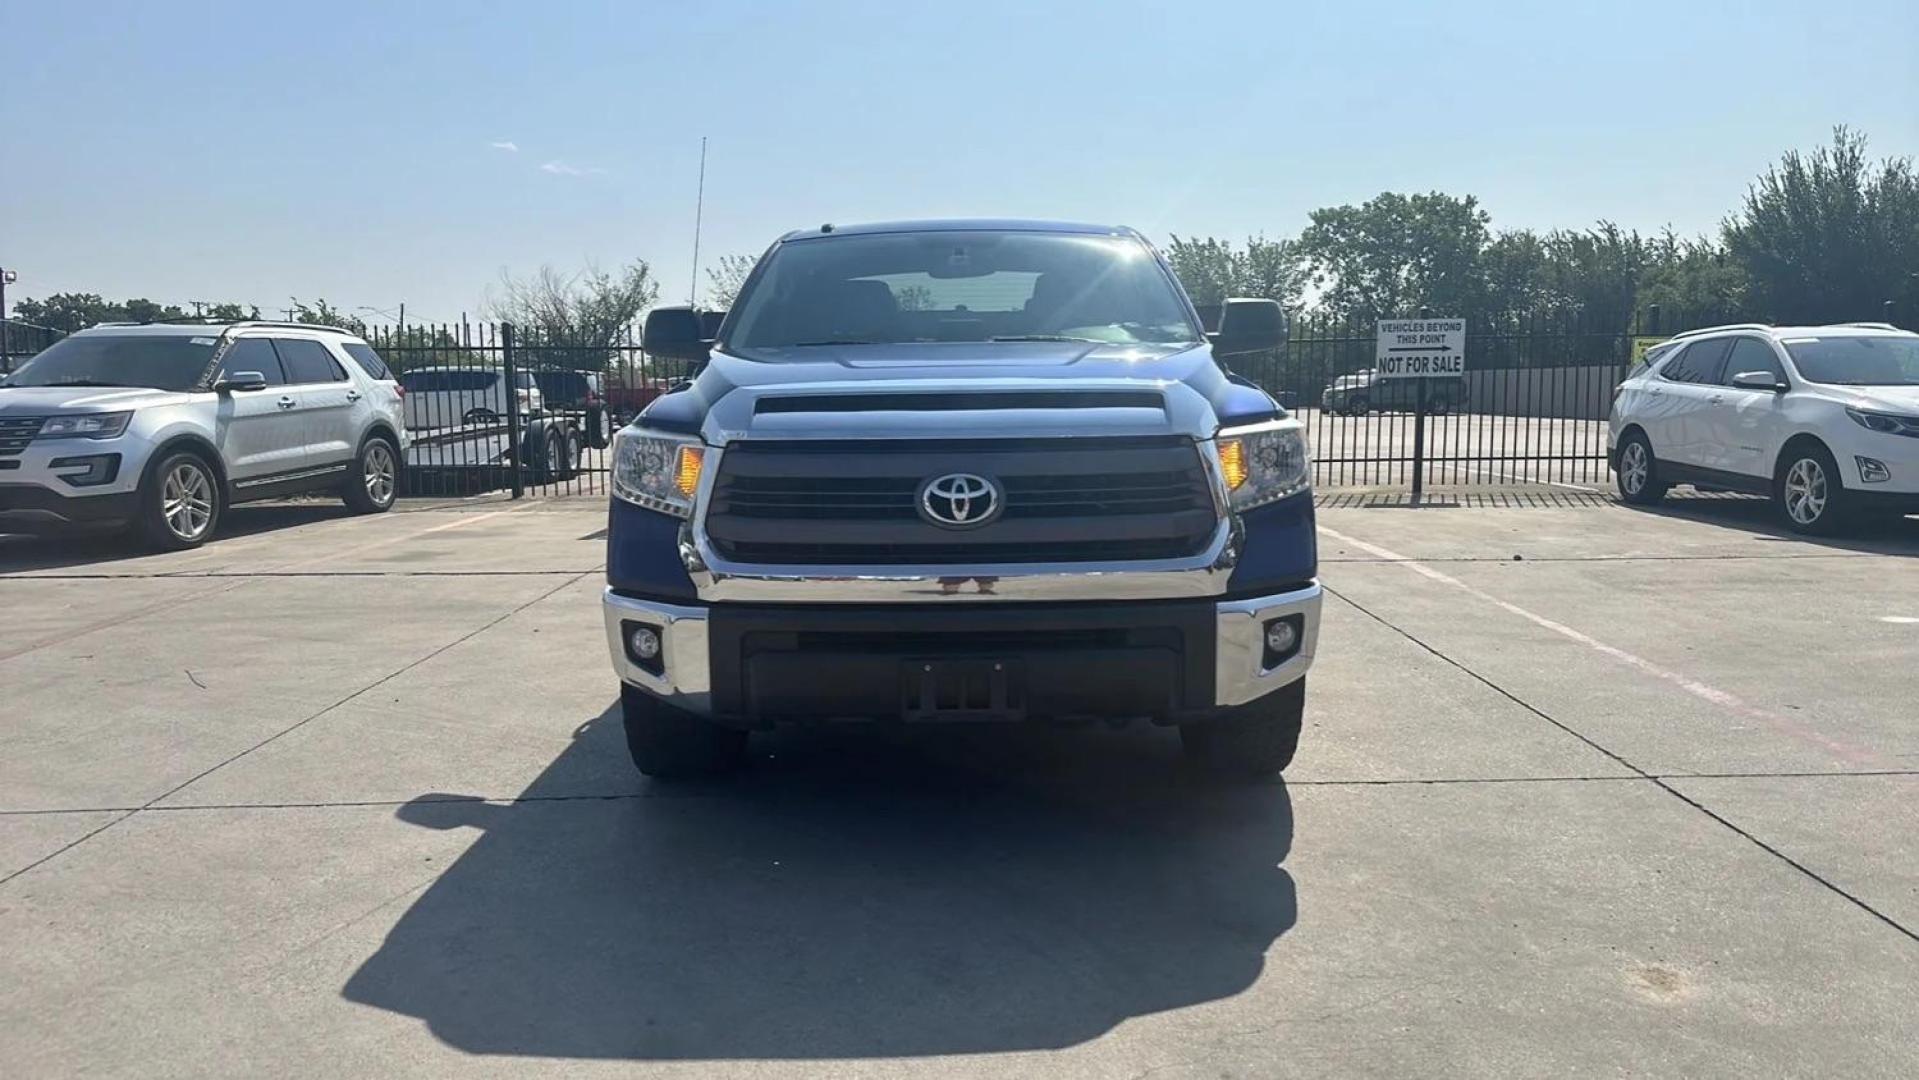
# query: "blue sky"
{"points": [[346, 150]]}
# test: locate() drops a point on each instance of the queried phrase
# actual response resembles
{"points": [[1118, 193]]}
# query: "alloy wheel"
{"points": [[186, 500], [1805, 491], [379, 474], [1633, 467]]}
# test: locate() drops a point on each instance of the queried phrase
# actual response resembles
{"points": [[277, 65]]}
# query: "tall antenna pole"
{"points": [[699, 208]]}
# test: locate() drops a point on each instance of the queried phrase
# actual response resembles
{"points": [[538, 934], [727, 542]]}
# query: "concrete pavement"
{"points": [[347, 796]]}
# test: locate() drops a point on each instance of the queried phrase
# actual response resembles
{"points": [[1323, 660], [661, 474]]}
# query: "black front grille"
{"points": [[17, 431], [1066, 500]]}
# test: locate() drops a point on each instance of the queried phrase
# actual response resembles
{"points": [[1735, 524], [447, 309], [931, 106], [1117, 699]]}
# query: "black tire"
{"points": [[1637, 471], [1255, 740], [1808, 492], [575, 448], [480, 416], [672, 744], [374, 480], [185, 483], [548, 463], [1358, 406], [1438, 408]]}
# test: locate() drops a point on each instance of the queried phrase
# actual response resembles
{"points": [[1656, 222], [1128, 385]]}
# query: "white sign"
{"points": [[1421, 348]]}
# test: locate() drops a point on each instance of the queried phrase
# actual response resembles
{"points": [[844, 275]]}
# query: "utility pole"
{"points": [[199, 308], [7, 277]]}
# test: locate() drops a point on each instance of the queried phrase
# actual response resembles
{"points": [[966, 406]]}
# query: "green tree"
{"points": [[724, 280], [321, 313], [579, 320], [1829, 236], [1694, 282], [1395, 254], [1211, 269]]}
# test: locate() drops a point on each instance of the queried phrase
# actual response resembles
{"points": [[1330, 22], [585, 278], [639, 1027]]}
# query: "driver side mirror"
{"points": [[1249, 326], [240, 380], [1760, 380], [676, 333]]}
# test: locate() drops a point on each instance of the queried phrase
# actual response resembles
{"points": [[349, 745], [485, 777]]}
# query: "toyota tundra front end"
{"points": [[962, 472]]}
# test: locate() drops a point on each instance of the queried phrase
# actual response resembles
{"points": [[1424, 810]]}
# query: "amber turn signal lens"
{"points": [[1232, 462], [686, 476]]}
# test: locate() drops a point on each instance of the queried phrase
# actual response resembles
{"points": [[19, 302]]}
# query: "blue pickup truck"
{"points": [[962, 471]]}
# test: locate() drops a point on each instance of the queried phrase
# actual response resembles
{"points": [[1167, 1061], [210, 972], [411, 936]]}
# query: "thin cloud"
{"points": [[507, 145], [562, 168]]}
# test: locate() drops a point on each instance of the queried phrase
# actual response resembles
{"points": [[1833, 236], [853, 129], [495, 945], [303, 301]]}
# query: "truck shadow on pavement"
{"points": [[850, 895]]}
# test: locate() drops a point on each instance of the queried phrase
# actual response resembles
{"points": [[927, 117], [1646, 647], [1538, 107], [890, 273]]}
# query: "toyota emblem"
{"points": [[960, 500]]}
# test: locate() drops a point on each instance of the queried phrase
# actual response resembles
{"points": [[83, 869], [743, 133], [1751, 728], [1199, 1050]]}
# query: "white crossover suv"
{"points": [[1824, 419], [161, 427]]}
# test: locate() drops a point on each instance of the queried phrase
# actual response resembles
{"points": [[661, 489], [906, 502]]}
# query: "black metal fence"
{"points": [[494, 407], [497, 407], [1530, 409], [19, 341]]}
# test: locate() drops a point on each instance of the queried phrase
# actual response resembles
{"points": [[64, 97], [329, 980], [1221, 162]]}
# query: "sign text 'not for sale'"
{"points": [[1421, 348]]}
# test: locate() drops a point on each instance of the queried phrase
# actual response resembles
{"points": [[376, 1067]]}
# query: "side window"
{"points": [[252, 354], [368, 360], [308, 362], [1752, 354], [1699, 363]]}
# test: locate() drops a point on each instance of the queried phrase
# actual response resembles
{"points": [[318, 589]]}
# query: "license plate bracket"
{"points": [[948, 689]]}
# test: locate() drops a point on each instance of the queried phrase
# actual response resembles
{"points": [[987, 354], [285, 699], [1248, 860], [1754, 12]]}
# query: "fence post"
{"points": [[1419, 431], [512, 409], [1890, 307]]}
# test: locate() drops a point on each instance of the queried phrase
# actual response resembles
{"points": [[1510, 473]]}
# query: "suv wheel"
{"points": [[1808, 491], [180, 503], [1254, 740], [1638, 472], [672, 744], [1358, 406], [375, 478]]}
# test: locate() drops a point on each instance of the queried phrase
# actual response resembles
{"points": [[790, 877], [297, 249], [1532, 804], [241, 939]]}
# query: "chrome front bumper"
{"points": [[1238, 648]]}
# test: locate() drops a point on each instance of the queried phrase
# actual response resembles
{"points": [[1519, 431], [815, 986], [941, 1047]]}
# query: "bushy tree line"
{"points": [[1820, 237]]}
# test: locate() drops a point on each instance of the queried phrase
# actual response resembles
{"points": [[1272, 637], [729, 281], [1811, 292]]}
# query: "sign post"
{"points": [[1422, 348]]}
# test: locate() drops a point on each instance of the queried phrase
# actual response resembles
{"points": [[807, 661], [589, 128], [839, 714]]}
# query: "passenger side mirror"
{"points": [[1249, 326], [1759, 380], [240, 380], [674, 332]]}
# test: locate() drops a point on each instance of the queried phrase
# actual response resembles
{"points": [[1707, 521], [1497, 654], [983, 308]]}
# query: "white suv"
{"points": [[161, 427], [1825, 419]]}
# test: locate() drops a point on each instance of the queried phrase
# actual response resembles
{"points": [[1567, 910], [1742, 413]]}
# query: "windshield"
{"points": [[162, 363], [1857, 360], [959, 286]]}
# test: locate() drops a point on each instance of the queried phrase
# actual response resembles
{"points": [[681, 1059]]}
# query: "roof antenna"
{"points": [[699, 208]]}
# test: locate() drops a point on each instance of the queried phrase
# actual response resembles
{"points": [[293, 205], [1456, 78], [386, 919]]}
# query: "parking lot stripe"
{"points": [[1721, 698], [1657, 781]]}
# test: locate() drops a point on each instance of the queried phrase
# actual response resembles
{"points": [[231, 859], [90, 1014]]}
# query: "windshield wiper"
{"points": [[1047, 337]]}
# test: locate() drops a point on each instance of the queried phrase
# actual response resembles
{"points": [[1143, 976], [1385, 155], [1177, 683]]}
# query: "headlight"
{"points": [[1264, 464], [100, 425], [659, 472], [1888, 423]]}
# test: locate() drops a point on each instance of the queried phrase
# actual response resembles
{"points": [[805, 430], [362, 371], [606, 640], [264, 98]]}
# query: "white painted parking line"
{"points": [[1781, 724]]}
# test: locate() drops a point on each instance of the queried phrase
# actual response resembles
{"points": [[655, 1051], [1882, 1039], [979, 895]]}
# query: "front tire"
{"points": [[180, 503], [1638, 472], [1255, 740], [1807, 491], [672, 744], [375, 478]]}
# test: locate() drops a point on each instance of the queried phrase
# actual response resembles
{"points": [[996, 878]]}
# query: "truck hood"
{"points": [[51, 400], [988, 389]]}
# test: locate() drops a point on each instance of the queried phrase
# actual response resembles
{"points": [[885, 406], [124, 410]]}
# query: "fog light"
{"points": [[1281, 636], [646, 643], [94, 469], [1872, 470]]}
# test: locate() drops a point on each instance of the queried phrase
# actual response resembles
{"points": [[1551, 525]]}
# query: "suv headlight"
{"points": [[1889, 423], [100, 425], [1265, 463], [659, 472]]}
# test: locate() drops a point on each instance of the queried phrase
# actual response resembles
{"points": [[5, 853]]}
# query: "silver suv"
{"points": [[161, 427]]}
